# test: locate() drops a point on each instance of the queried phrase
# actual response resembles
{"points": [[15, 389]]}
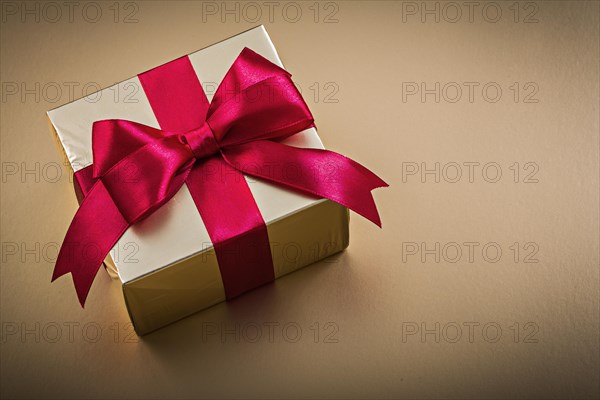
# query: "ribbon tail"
{"points": [[95, 229], [319, 172]]}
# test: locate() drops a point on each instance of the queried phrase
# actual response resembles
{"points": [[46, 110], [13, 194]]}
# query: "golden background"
{"points": [[381, 319]]}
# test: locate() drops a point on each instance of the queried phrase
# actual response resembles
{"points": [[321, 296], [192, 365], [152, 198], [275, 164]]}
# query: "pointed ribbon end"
{"points": [[380, 183], [57, 273], [374, 213], [375, 219], [82, 290], [81, 297], [368, 210]]}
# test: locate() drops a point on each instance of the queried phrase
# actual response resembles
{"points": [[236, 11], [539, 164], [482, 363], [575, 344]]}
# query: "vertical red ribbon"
{"points": [[219, 191]]}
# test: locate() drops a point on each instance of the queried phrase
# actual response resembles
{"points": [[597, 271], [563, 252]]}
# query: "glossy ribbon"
{"points": [[208, 147]]}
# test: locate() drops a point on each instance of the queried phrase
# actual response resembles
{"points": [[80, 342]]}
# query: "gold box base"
{"points": [[193, 284]]}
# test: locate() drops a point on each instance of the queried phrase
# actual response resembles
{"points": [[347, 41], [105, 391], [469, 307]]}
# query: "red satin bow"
{"points": [[138, 168]]}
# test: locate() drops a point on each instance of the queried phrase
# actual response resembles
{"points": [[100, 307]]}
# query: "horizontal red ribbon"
{"points": [[208, 147]]}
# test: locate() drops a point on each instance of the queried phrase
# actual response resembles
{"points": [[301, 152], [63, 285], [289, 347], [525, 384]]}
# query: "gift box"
{"points": [[178, 248]]}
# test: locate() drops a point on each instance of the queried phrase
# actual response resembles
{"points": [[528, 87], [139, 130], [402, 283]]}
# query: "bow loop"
{"points": [[272, 108], [248, 69], [114, 139], [151, 175]]}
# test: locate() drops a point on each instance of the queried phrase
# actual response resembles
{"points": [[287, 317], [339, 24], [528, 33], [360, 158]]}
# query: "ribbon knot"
{"points": [[201, 141]]}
